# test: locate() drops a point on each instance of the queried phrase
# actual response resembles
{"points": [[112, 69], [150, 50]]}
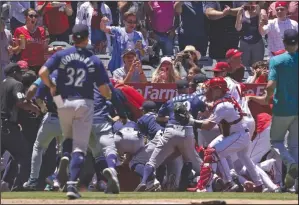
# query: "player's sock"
{"points": [[67, 147], [160, 173], [76, 164], [139, 169], [99, 166], [111, 160], [148, 171]]}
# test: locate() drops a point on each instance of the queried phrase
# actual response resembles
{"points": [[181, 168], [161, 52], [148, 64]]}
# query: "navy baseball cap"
{"points": [[149, 105], [80, 31], [290, 36], [127, 51], [182, 84], [199, 78], [12, 67]]}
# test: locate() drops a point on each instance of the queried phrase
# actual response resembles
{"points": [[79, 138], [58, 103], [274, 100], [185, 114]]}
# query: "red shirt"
{"points": [[34, 50], [56, 21], [96, 19]]}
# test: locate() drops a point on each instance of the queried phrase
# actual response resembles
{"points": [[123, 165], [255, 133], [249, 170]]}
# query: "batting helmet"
{"points": [[217, 82]]}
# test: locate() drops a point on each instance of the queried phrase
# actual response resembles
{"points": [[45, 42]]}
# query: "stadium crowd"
{"points": [[172, 38]]}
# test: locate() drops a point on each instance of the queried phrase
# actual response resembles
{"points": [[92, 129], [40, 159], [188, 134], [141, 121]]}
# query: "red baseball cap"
{"points": [[23, 65], [221, 67], [281, 4], [276, 53], [233, 53]]}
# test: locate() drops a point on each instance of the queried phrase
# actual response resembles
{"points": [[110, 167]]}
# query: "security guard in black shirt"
{"points": [[12, 140]]}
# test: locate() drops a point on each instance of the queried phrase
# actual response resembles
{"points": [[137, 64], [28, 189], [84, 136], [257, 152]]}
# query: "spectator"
{"points": [[189, 57], [165, 73], [36, 43], [5, 46], [276, 27], [283, 83], [251, 41], [132, 71], [90, 14], [18, 9], [162, 24], [192, 72], [292, 10], [260, 72], [222, 32], [134, 7], [220, 69], [236, 70], [124, 37], [190, 33], [53, 13]]}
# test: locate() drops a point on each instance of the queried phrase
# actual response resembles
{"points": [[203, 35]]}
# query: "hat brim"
{"points": [[130, 52], [216, 70], [238, 54]]}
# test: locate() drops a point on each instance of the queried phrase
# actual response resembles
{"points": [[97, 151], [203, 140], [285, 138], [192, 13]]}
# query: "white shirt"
{"points": [[17, 8], [234, 89], [84, 16], [226, 111], [275, 30]]}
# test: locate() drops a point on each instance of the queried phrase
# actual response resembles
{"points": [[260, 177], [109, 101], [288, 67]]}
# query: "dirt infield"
{"points": [[158, 201]]}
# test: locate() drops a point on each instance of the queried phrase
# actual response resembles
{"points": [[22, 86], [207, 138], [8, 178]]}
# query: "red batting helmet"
{"points": [[217, 82]]}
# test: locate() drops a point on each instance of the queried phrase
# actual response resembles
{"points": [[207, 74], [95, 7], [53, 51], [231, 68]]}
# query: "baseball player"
{"points": [[48, 130], [177, 139], [235, 138], [78, 70], [101, 140]]}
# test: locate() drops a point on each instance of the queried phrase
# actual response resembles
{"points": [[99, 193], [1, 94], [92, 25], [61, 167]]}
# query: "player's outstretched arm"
{"points": [[105, 91], [202, 124]]}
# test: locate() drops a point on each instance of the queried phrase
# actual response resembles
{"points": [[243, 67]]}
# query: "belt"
{"points": [[52, 114]]}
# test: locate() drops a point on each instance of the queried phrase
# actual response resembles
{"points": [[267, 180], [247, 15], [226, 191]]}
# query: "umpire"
{"points": [[12, 140]]}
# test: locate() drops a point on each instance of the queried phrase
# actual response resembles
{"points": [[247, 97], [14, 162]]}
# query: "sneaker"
{"points": [[218, 185], [62, 172], [113, 184], [152, 185], [53, 182], [30, 185], [231, 187], [72, 191], [291, 175], [140, 188]]}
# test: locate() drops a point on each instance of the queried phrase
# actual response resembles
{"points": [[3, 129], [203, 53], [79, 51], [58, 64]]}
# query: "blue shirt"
{"points": [[120, 43], [148, 125], [43, 92], [284, 71], [167, 108], [102, 107], [78, 70]]}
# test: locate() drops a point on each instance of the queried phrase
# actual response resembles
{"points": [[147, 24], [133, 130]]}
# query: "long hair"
{"points": [[172, 75]]}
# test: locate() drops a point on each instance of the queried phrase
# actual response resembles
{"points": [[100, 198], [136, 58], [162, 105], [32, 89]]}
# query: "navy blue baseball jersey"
{"points": [[118, 126], [43, 92], [102, 107], [187, 99], [148, 125], [78, 70]]}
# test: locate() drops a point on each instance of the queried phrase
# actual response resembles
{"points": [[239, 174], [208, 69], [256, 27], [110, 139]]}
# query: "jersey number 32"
{"points": [[76, 77]]}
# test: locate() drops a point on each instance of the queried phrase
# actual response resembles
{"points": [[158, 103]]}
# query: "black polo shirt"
{"points": [[11, 91]]}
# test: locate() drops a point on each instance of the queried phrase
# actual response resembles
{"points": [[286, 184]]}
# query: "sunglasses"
{"points": [[31, 16], [280, 9], [132, 22]]}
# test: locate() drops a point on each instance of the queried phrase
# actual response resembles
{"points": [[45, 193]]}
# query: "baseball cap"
{"points": [[221, 67], [149, 105], [281, 4], [12, 67], [127, 51], [233, 53], [166, 59], [181, 84], [199, 78], [80, 31], [290, 36]]}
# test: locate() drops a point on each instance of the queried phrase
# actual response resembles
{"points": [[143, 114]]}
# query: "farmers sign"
{"points": [[161, 92]]}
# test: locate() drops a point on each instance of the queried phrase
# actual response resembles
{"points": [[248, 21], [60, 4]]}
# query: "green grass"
{"points": [[147, 195]]}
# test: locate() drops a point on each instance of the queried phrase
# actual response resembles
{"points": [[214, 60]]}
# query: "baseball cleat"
{"points": [[152, 185], [231, 187], [218, 184], [291, 175], [112, 184], [140, 188], [72, 191], [62, 172], [30, 185]]}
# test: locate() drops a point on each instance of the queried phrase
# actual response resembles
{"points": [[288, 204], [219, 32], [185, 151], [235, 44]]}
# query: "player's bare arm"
{"points": [[44, 75], [202, 124], [105, 91]]}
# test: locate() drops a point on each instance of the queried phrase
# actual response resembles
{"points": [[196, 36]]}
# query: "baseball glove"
{"points": [[181, 113]]}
